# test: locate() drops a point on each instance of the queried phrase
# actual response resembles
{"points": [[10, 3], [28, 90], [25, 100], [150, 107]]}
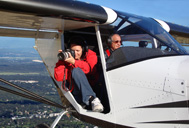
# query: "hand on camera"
{"points": [[60, 51], [70, 60]]}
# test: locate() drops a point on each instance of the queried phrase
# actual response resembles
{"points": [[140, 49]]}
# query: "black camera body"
{"points": [[64, 54]]}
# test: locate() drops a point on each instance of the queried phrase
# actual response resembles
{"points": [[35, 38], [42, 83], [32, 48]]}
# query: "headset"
{"points": [[109, 40], [79, 41]]}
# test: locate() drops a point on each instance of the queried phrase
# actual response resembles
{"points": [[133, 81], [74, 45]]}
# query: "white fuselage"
{"points": [[150, 93]]}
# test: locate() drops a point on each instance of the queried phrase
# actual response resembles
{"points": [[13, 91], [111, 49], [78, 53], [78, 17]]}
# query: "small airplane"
{"points": [[146, 81]]}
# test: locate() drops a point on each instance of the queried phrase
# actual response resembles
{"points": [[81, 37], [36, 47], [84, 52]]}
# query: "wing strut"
{"points": [[58, 119], [29, 95]]}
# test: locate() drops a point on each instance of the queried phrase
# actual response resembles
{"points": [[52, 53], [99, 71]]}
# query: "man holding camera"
{"points": [[74, 71]]}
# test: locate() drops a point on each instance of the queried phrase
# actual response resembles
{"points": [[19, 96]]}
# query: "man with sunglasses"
{"points": [[114, 42]]}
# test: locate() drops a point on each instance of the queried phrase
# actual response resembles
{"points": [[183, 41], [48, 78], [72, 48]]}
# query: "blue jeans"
{"points": [[82, 89]]}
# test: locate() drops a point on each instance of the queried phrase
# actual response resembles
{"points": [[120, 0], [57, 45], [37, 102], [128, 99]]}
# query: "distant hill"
{"points": [[17, 47], [15, 42]]}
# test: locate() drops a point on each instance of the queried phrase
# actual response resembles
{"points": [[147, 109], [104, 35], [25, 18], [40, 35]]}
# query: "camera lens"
{"points": [[65, 54]]}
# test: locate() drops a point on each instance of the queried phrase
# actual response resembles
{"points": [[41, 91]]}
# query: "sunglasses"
{"points": [[117, 41]]}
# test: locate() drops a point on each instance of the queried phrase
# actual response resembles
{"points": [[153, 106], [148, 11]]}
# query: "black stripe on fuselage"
{"points": [[179, 104], [57, 8], [170, 122]]}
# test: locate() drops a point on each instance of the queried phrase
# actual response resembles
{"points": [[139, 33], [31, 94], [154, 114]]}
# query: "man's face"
{"points": [[78, 51], [116, 42]]}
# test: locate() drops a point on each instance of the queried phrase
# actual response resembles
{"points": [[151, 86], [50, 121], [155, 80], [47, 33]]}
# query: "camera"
{"points": [[64, 54]]}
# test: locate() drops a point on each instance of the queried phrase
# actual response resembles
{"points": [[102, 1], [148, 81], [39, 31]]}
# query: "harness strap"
{"points": [[71, 87]]}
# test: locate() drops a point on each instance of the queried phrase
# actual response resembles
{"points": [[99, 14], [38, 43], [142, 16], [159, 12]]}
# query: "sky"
{"points": [[175, 11]]}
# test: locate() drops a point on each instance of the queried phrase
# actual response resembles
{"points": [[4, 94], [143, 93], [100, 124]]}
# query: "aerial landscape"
{"points": [[17, 66]]}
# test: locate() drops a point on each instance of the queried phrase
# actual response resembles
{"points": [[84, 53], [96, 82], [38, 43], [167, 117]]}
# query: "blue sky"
{"points": [[175, 11]]}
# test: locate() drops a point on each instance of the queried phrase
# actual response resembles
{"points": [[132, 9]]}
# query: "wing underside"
{"points": [[23, 25], [179, 32]]}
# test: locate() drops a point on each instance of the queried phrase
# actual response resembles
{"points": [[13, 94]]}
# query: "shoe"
{"points": [[96, 105]]}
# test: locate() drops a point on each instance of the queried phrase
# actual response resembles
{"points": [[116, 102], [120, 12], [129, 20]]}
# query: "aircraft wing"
{"points": [[28, 18], [178, 29], [179, 32]]}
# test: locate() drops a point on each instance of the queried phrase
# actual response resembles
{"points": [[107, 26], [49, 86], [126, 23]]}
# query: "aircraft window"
{"points": [[164, 48], [134, 20], [123, 26], [130, 43], [133, 24], [117, 22], [146, 43]]}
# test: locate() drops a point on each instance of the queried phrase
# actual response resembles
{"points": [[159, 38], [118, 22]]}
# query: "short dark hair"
{"points": [[78, 40]]}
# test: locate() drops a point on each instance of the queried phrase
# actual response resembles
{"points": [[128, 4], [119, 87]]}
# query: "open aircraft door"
{"points": [[48, 50]]}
